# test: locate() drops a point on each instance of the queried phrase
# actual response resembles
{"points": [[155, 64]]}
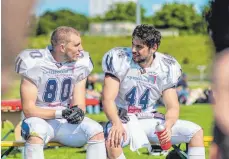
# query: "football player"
{"points": [[135, 78], [53, 96]]}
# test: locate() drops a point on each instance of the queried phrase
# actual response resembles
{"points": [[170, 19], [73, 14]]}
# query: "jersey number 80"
{"points": [[52, 87]]}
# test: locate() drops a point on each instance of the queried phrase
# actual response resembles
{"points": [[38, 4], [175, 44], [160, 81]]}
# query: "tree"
{"points": [[120, 12], [180, 16], [50, 20]]}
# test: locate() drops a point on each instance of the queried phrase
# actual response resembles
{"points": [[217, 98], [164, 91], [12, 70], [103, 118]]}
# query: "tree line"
{"points": [[172, 15]]}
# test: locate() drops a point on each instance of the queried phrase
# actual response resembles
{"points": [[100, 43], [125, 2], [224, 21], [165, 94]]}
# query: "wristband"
{"points": [[58, 114]]}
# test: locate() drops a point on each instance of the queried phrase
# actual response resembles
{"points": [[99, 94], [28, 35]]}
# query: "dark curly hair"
{"points": [[218, 23], [147, 34]]}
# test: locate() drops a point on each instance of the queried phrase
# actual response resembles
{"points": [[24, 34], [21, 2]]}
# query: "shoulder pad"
{"points": [[27, 64], [84, 65], [85, 60], [172, 69], [28, 59], [117, 61]]}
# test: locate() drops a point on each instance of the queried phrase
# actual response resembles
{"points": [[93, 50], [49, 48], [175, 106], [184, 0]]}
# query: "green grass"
{"points": [[195, 48], [200, 114]]}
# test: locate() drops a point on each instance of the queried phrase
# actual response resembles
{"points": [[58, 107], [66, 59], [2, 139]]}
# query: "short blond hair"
{"points": [[61, 35]]}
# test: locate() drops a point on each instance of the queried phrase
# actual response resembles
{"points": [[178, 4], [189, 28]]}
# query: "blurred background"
{"points": [[105, 24]]}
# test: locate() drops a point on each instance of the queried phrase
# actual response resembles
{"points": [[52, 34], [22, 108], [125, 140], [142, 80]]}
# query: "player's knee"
{"points": [[92, 129], [98, 129], [113, 153], [35, 140], [34, 133], [99, 136], [199, 134], [197, 139]]}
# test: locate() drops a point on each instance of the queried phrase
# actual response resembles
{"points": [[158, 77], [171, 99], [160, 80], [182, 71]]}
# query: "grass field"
{"points": [[200, 114], [195, 49]]}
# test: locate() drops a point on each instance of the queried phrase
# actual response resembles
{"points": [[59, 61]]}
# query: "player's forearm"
{"points": [[80, 102], [111, 111], [82, 106], [35, 111], [171, 117]]}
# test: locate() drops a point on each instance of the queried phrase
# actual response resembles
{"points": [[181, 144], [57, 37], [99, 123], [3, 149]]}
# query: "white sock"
{"points": [[196, 153], [34, 151], [96, 149], [122, 156]]}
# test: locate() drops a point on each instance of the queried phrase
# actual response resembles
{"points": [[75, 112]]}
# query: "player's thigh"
{"points": [[37, 127], [107, 131], [77, 135], [148, 125], [182, 131]]}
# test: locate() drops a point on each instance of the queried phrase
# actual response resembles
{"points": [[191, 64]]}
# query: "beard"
{"points": [[68, 58], [140, 60], [143, 60]]}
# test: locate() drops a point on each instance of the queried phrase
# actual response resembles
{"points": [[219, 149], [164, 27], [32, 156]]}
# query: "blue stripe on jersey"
{"points": [[18, 65]]}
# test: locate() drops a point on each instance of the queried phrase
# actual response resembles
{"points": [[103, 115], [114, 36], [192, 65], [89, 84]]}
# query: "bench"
{"points": [[14, 144], [207, 140], [11, 111], [22, 143]]}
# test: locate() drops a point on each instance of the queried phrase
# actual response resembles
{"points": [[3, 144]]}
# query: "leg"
{"points": [[88, 131], [36, 132], [17, 131], [189, 132], [182, 132], [96, 145], [196, 146], [198, 139], [115, 153]]}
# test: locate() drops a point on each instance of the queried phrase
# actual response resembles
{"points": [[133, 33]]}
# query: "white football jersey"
{"points": [[54, 81], [140, 88]]}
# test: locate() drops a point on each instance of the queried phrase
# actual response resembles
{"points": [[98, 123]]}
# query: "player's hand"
{"points": [[66, 112], [74, 115], [116, 134], [166, 135]]}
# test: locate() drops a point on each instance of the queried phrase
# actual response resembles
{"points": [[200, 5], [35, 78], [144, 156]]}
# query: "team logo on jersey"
{"points": [[121, 53], [152, 78]]}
